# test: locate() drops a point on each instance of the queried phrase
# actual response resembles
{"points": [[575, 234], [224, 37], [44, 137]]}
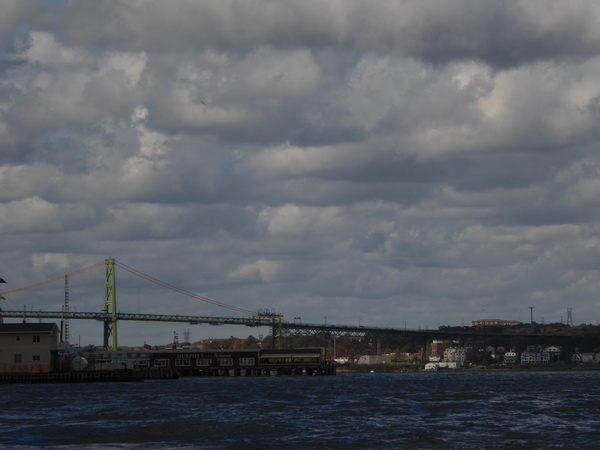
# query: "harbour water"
{"points": [[380, 410]]}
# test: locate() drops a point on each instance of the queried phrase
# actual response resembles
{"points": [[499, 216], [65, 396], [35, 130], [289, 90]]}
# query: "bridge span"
{"points": [[108, 317], [279, 327]]}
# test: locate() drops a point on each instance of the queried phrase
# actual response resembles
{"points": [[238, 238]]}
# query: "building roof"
{"points": [[27, 327]]}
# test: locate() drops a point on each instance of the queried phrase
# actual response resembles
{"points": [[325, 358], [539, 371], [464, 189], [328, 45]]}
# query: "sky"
{"points": [[388, 163]]}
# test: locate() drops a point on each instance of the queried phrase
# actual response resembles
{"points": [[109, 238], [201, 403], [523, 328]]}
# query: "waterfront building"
{"points": [[586, 358], [30, 347], [440, 365], [554, 352], [535, 357], [224, 362], [511, 357], [458, 355], [437, 346]]}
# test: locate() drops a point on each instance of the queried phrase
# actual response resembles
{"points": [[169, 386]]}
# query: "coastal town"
{"points": [[38, 348], [549, 350]]}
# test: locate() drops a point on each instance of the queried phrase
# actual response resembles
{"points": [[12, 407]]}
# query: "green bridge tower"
{"points": [[110, 306]]}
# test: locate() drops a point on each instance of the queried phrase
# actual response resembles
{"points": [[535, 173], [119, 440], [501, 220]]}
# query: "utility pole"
{"points": [[570, 317], [531, 309], [2, 298], [66, 309]]}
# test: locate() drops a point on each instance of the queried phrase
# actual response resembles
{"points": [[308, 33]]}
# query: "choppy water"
{"points": [[381, 410]]}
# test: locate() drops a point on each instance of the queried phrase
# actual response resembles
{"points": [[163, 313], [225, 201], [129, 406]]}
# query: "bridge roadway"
{"points": [[107, 317], [286, 327]]}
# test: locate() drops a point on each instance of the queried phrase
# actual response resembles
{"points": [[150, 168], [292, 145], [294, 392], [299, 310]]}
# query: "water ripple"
{"points": [[410, 410]]}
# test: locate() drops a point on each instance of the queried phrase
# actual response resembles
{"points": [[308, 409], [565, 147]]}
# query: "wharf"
{"points": [[88, 376], [308, 361]]}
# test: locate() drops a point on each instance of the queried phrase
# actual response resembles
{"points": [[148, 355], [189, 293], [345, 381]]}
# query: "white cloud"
{"points": [[35, 215], [261, 270], [292, 220], [45, 49]]}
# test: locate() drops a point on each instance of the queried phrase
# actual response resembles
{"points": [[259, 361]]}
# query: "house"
{"points": [[554, 352], [437, 347], [586, 358], [511, 357], [458, 355], [30, 347], [532, 356]]}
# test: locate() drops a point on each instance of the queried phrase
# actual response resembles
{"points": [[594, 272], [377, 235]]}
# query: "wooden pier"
{"points": [[88, 376], [214, 363]]}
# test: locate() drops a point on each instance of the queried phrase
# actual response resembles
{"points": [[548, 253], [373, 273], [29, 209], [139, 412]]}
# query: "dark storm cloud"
{"points": [[502, 34]]}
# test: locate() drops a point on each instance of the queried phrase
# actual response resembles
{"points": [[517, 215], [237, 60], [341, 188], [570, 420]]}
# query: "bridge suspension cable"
{"points": [[182, 291], [61, 277], [139, 274]]}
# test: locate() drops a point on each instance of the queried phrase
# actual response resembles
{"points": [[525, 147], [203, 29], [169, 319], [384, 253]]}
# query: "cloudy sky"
{"points": [[390, 163]]}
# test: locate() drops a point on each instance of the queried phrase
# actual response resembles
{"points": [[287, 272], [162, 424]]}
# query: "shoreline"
{"points": [[492, 368]]}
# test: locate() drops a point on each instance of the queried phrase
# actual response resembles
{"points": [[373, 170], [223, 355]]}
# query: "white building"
{"points": [[30, 347], [535, 357], [511, 357], [554, 352], [586, 358], [440, 365], [456, 355]]}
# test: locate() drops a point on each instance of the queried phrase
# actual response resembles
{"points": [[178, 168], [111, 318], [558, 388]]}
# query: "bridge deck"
{"points": [[289, 327]]}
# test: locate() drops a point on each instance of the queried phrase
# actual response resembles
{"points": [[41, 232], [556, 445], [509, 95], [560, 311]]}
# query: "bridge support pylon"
{"points": [[110, 305], [277, 334]]}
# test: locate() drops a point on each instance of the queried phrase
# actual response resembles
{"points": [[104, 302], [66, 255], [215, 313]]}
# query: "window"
{"points": [[161, 363], [18, 357], [36, 338], [35, 357], [226, 361], [204, 362], [144, 363], [18, 338], [247, 361], [182, 363]]}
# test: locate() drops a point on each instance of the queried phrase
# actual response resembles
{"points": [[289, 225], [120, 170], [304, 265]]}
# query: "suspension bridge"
{"points": [[110, 316]]}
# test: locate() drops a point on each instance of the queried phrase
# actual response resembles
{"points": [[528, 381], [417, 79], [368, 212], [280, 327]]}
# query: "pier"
{"points": [[213, 363], [70, 377]]}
